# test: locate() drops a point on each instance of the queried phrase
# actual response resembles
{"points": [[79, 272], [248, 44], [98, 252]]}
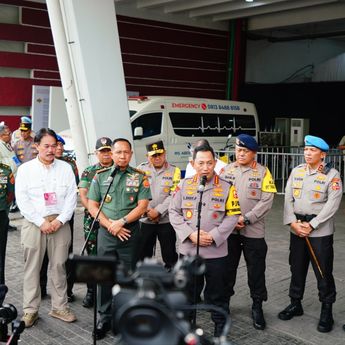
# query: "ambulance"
{"points": [[181, 121]]}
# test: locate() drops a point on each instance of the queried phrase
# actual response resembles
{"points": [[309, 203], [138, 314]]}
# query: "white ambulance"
{"points": [[180, 121]]}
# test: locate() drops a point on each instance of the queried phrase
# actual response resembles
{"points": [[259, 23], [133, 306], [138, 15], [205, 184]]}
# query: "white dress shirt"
{"points": [[42, 190]]}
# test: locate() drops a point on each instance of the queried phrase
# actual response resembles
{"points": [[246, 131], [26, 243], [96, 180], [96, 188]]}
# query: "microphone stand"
{"points": [[95, 219], [201, 191]]}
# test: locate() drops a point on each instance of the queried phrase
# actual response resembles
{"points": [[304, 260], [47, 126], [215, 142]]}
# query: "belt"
{"points": [[305, 217], [51, 217]]}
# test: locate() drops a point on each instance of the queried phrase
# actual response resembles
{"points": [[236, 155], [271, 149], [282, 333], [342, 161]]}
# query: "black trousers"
{"points": [[254, 251], [214, 279], [127, 251], [45, 264], [299, 262], [167, 238], [4, 221]]}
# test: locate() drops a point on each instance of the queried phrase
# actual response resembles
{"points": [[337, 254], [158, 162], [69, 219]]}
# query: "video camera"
{"points": [[149, 306], [8, 314]]}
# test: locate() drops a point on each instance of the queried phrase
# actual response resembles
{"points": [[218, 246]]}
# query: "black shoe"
{"points": [[70, 297], [101, 329], [14, 209], [344, 327], [258, 316], [326, 318], [11, 227], [293, 309], [88, 300]]}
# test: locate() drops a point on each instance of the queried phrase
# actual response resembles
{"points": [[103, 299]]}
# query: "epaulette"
{"points": [[4, 166], [103, 170], [139, 171]]}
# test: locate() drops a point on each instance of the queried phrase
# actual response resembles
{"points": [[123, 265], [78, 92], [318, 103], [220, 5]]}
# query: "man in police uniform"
{"points": [[255, 188], [163, 178], [312, 196], [125, 203], [24, 147], [16, 135], [103, 154], [6, 197], [219, 216]]}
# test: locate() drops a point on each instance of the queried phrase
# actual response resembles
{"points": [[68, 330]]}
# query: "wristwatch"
{"points": [[124, 221], [246, 220]]}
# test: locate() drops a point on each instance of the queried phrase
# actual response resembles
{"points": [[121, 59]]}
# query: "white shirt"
{"points": [[45, 190], [190, 171]]}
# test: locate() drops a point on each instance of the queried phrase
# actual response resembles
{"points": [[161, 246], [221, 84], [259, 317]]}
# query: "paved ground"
{"points": [[301, 330]]}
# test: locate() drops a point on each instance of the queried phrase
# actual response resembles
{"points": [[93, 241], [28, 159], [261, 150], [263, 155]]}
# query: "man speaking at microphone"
{"points": [[218, 218], [125, 202]]}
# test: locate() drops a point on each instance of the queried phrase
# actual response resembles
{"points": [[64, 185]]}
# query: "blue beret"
{"points": [[245, 140], [25, 119], [310, 140], [60, 139]]}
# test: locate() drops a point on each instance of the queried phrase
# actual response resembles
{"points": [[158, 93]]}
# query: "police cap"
{"points": [[25, 126], [247, 141], [154, 148], [310, 140], [60, 139]]}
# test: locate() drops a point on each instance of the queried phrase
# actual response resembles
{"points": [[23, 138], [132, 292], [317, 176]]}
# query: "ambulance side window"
{"points": [[150, 122]]}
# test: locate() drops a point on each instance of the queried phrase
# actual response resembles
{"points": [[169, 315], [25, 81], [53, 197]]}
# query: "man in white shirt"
{"points": [[46, 194]]}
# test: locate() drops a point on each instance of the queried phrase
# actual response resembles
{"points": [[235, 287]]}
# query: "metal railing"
{"points": [[281, 160]]}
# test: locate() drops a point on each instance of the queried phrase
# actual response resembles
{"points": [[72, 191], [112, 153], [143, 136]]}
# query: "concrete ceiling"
{"points": [[276, 20]]}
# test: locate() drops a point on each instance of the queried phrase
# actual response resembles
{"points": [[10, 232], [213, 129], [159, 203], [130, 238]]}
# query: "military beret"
{"points": [[310, 140], [60, 139], [154, 148], [103, 143], [247, 141]]}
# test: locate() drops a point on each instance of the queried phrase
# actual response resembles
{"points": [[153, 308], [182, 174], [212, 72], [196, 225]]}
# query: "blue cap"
{"points": [[25, 119], [310, 140], [247, 141], [60, 139]]}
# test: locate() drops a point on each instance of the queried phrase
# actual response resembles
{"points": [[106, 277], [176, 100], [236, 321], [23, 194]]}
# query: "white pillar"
{"points": [[97, 67], [68, 84]]}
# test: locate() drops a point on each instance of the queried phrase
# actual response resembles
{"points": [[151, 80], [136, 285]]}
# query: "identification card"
{"points": [[50, 199]]}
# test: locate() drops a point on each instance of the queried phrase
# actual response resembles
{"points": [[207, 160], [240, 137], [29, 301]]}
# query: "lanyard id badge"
{"points": [[50, 199]]}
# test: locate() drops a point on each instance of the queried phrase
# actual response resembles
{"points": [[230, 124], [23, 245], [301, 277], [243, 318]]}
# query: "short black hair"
{"points": [[203, 148], [121, 139], [42, 133]]}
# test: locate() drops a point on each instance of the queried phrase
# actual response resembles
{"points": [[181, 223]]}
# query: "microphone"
{"points": [[112, 175], [202, 184]]}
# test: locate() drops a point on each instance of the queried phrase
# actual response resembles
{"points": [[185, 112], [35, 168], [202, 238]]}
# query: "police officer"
{"points": [[24, 147], [125, 203], [312, 196], [6, 198], [255, 188], [103, 154], [163, 178], [218, 214], [44, 269]]}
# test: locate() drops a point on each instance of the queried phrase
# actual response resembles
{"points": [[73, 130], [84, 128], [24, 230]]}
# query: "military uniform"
{"points": [[162, 184], [255, 188], [220, 208], [6, 197], [128, 187], [85, 181], [317, 195]]}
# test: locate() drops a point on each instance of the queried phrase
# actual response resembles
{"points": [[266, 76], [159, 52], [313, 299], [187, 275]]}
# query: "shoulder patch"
{"points": [[139, 171]]}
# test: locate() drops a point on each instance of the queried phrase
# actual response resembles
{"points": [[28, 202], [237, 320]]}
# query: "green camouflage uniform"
{"points": [[85, 181]]}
